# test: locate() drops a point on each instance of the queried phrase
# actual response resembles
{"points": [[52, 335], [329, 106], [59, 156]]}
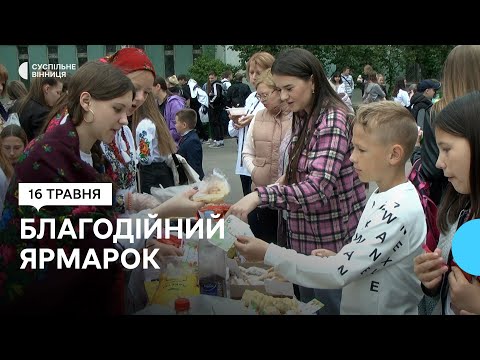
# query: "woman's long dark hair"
{"points": [[302, 64], [400, 84], [36, 92], [460, 118]]}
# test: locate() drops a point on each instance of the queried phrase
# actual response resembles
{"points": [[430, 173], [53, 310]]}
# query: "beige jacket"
{"points": [[261, 150]]}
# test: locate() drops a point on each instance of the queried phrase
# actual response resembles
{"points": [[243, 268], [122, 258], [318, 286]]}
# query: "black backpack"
{"points": [[420, 115]]}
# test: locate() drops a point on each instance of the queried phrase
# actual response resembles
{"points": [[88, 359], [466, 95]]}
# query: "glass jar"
{"points": [[182, 306]]}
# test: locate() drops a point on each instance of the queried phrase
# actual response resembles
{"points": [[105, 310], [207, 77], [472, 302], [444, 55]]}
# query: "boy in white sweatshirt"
{"points": [[375, 269]]}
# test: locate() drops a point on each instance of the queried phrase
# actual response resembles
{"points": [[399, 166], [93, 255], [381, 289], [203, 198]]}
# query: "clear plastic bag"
{"points": [[213, 188]]}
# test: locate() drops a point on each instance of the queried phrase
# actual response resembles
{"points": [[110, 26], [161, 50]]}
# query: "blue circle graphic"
{"points": [[466, 247]]}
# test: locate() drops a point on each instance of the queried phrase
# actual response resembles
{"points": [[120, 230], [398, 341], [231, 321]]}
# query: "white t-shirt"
{"points": [[402, 98], [376, 268], [87, 158]]}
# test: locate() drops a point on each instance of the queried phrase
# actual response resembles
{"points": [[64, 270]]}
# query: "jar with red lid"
{"points": [[182, 306]]}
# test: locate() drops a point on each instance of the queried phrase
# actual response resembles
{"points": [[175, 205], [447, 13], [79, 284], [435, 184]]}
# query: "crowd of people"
{"points": [[304, 157]]}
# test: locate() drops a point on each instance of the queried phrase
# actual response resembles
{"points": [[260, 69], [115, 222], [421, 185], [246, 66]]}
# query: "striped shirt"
{"points": [[323, 208]]}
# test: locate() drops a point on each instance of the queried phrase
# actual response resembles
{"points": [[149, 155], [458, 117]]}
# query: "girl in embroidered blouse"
{"points": [[457, 134], [320, 190], [99, 99], [154, 144], [121, 152]]}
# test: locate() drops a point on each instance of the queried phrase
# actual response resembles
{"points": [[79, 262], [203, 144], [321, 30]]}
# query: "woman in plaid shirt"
{"points": [[320, 192]]}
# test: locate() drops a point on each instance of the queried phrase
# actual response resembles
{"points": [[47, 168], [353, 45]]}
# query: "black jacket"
{"points": [[190, 148], [32, 118], [215, 96], [417, 102], [429, 154], [237, 94]]}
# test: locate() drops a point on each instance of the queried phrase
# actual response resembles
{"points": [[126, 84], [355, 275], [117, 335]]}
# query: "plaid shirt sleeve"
{"points": [[319, 167]]}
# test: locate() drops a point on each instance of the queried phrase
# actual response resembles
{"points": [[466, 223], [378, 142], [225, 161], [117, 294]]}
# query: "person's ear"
{"points": [[85, 99], [396, 154]]}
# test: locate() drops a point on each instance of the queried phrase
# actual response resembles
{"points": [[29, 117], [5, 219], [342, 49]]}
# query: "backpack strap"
{"points": [[349, 83]]}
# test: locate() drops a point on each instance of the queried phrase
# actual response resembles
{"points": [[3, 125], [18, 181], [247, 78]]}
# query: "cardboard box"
{"points": [[271, 287]]}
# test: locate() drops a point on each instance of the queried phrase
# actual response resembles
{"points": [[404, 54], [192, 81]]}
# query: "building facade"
{"points": [[167, 59]]}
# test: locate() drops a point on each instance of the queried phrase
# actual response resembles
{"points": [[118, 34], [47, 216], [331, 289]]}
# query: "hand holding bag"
{"points": [[183, 173]]}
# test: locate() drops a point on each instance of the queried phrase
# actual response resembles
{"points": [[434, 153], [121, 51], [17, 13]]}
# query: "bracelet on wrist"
{"points": [[129, 202]]}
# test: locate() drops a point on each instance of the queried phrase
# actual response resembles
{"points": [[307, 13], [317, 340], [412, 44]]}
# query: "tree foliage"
{"points": [[426, 60], [204, 64], [416, 62]]}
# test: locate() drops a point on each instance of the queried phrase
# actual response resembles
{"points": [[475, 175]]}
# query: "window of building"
{"points": [[82, 56], [23, 57], [169, 61], [52, 51], [197, 51], [22, 53]]}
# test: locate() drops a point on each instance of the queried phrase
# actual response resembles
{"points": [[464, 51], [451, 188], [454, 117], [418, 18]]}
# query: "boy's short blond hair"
{"points": [[390, 122], [188, 116]]}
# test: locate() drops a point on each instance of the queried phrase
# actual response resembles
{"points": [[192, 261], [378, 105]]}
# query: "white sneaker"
{"points": [[216, 144]]}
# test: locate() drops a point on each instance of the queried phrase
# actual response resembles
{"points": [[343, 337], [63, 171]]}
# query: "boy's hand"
{"points": [[323, 252], [251, 248], [419, 137], [429, 268]]}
